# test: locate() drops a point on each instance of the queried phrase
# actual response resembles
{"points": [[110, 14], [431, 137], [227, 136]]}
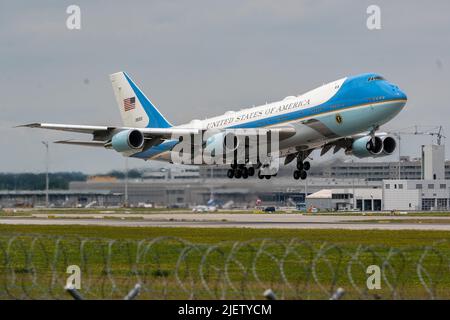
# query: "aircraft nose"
{"points": [[397, 93], [402, 94]]}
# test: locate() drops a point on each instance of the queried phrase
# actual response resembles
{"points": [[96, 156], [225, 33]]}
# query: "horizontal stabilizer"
{"points": [[67, 127], [82, 143]]}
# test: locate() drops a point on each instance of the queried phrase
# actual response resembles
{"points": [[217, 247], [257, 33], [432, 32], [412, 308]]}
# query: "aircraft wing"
{"points": [[283, 132], [102, 135], [345, 143], [104, 131], [338, 144], [165, 133]]}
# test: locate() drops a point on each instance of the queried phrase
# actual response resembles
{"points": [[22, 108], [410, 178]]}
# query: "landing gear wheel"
{"points": [[238, 174], [251, 171], [268, 177], [260, 175], [230, 173], [296, 174], [303, 175], [306, 165], [300, 165]]}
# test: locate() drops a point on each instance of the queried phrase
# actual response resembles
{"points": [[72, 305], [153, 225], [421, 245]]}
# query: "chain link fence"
{"points": [[38, 267]]}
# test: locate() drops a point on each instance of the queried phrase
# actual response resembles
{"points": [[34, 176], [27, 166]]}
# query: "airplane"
{"points": [[343, 114]]}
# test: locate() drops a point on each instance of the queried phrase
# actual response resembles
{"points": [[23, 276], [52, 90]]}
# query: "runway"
{"points": [[218, 220]]}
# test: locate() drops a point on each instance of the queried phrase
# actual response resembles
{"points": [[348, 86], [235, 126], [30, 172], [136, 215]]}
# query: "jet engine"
{"points": [[379, 146], [128, 140]]}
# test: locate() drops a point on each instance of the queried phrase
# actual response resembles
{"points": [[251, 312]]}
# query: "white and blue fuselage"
{"points": [[341, 108]]}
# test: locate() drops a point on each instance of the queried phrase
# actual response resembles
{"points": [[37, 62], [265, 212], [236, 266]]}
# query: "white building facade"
{"points": [[416, 195]]}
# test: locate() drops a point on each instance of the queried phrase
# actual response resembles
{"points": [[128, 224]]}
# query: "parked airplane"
{"points": [[343, 114]]}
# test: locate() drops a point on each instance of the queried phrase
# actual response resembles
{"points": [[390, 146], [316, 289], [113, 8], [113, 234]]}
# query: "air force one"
{"points": [[343, 114]]}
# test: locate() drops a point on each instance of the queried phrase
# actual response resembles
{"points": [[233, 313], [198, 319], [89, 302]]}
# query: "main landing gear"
{"points": [[302, 167], [240, 172]]}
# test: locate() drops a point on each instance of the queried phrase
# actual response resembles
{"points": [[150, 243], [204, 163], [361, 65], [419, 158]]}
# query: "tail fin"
{"points": [[136, 109]]}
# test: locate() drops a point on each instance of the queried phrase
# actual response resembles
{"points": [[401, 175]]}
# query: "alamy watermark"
{"points": [[74, 280], [373, 21], [373, 282], [73, 21], [257, 147]]}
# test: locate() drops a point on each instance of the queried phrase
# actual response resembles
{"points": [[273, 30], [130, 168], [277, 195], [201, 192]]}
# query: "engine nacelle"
{"points": [[364, 147], [223, 142], [389, 145], [128, 140]]}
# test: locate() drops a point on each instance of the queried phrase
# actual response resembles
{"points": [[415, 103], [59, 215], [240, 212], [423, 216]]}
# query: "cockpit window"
{"points": [[375, 78]]}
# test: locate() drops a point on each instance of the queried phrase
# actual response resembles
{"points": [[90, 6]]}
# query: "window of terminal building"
{"points": [[388, 186], [441, 204], [359, 204], [431, 186], [419, 186], [341, 196], [443, 186], [427, 204], [400, 186]]}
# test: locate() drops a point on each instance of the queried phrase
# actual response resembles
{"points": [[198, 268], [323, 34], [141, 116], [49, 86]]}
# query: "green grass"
{"points": [[158, 270], [214, 235], [15, 214]]}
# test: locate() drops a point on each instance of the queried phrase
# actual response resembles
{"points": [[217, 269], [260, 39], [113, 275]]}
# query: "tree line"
{"points": [[57, 180]]}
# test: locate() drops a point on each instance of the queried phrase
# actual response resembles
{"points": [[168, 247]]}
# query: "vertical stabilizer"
{"points": [[135, 108]]}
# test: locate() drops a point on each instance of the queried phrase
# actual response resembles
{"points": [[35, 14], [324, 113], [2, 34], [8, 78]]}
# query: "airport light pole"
{"points": [[126, 183], [47, 158], [399, 137], [399, 157]]}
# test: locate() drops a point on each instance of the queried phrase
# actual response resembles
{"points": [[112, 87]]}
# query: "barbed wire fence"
{"points": [[38, 267]]}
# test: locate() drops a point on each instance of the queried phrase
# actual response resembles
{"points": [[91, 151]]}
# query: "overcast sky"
{"points": [[201, 58]]}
